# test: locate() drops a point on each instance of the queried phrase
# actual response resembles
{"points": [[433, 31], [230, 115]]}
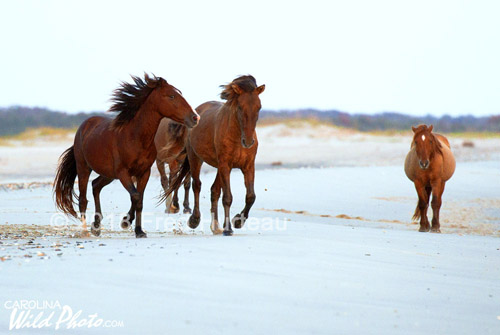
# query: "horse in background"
{"points": [[170, 140], [429, 164], [225, 138], [121, 148]]}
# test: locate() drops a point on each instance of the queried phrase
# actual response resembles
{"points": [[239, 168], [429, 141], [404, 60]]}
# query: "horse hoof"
{"points": [[423, 229], [216, 231], [125, 225], [95, 232], [173, 210], [141, 234], [435, 230], [193, 222], [187, 210], [83, 233], [238, 221], [227, 233]]}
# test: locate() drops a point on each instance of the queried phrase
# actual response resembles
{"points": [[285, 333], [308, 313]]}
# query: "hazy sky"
{"points": [[416, 57]]}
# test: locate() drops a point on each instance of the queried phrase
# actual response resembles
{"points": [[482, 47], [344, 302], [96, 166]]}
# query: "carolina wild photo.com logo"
{"points": [[37, 314]]}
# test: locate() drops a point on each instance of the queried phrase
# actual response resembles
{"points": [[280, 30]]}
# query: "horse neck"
{"points": [[144, 125], [232, 125]]}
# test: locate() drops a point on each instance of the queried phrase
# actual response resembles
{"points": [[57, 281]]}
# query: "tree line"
{"points": [[15, 120]]}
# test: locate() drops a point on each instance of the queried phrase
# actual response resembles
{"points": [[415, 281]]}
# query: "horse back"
{"points": [[208, 107], [443, 140]]}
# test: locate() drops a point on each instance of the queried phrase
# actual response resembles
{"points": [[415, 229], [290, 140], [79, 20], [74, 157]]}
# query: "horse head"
{"points": [[426, 145], [243, 94], [170, 102]]}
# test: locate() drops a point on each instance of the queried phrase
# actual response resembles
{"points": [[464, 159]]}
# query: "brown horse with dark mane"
{"points": [[121, 148], [429, 164], [225, 138], [170, 141]]}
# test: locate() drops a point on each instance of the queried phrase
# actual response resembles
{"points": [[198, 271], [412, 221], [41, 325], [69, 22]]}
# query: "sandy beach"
{"points": [[330, 247]]}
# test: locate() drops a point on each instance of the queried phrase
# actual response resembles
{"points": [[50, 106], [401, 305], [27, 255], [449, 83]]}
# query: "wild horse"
{"points": [[121, 148], [225, 138], [429, 164], [170, 140]]}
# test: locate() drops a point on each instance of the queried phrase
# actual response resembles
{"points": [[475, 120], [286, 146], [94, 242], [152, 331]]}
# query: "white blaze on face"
{"points": [[423, 137]]}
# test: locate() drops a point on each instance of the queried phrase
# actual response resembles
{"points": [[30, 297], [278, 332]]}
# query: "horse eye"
{"points": [[172, 97]]}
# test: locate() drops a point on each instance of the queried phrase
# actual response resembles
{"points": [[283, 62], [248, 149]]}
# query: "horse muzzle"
{"points": [[245, 144], [424, 165], [192, 120]]}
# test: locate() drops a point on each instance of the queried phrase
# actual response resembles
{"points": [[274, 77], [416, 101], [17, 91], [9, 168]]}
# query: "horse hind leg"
{"points": [[172, 201], [164, 182], [83, 179], [215, 192], [187, 187], [195, 167], [239, 219], [174, 206], [97, 186]]}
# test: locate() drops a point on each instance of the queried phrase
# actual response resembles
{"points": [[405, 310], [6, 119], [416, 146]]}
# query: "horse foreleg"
{"points": [[142, 181], [227, 198], [437, 193], [214, 197], [239, 219], [97, 185], [187, 186], [423, 204], [127, 182]]}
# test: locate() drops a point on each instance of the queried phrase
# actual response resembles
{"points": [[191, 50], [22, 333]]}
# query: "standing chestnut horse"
{"points": [[170, 141], [120, 148], [225, 138], [429, 164]]}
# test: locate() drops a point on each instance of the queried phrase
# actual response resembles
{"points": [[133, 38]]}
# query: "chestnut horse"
{"points": [[429, 164], [170, 141], [120, 148], [225, 138]]}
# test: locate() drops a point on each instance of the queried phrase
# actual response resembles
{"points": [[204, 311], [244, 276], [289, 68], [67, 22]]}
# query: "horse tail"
{"points": [[179, 177], [417, 214], [64, 182]]}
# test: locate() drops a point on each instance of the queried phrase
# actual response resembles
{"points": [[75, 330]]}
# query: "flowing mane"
{"points": [[128, 98], [245, 83]]}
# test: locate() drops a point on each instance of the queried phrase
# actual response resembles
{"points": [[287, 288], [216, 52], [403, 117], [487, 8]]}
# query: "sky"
{"points": [[413, 57]]}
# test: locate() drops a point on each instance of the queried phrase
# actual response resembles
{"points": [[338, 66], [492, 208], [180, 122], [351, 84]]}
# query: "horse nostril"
{"points": [[196, 118]]}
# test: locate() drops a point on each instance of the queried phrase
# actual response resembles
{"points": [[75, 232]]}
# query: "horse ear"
{"points": [[260, 89], [430, 128], [414, 129], [236, 89], [149, 81]]}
